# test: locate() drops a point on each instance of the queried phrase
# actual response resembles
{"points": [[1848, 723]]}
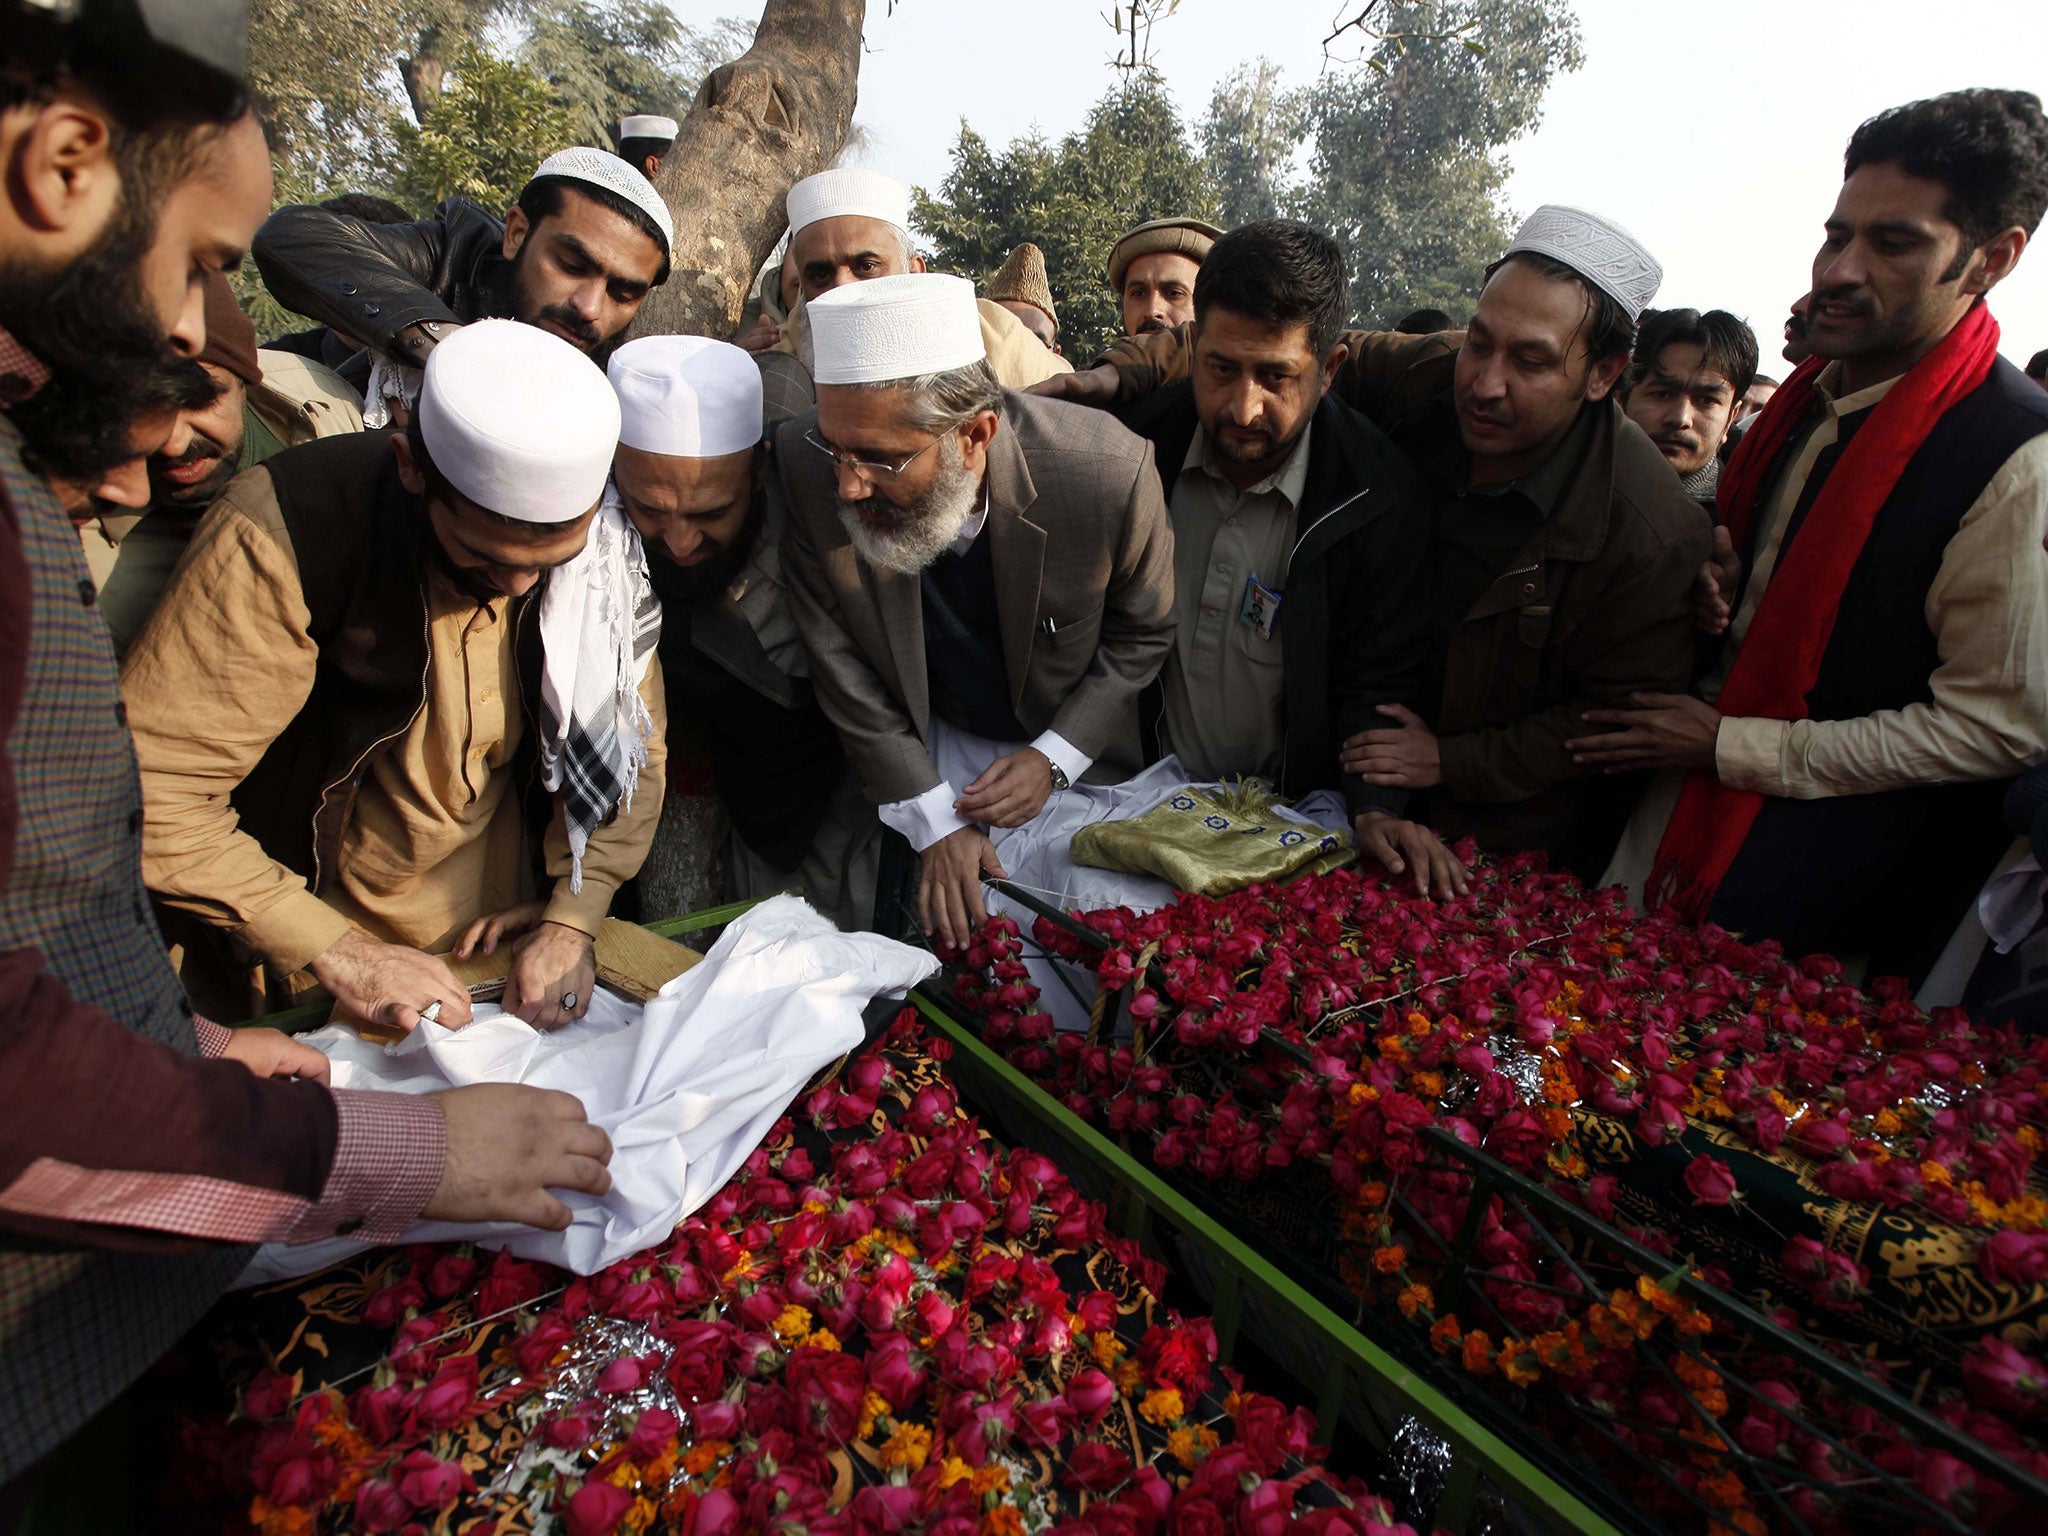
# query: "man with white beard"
{"points": [[984, 579]]}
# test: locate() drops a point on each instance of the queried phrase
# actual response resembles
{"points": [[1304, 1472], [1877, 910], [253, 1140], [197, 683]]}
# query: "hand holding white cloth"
{"points": [[685, 1096]]}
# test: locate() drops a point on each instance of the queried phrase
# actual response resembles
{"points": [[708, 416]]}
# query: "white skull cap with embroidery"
{"points": [[519, 421], [648, 125], [848, 192], [890, 328], [1598, 249], [602, 168], [686, 397]]}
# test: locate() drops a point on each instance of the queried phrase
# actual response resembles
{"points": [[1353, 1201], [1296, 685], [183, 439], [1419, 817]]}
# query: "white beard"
{"points": [[923, 531]]}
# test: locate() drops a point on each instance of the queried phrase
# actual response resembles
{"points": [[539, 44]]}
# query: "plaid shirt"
{"points": [[118, 1192]]}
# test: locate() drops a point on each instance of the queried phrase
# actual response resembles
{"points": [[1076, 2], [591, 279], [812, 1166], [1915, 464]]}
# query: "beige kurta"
{"points": [[1988, 610], [224, 666], [1224, 689]]}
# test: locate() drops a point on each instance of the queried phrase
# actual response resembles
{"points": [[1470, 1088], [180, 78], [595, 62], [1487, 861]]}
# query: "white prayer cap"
{"points": [[519, 421], [1598, 249], [600, 168], [647, 125], [850, 191], [687, 397], [895, 328]]}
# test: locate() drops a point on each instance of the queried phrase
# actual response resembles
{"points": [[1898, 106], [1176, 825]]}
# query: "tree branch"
{"points": [[775, 115]]}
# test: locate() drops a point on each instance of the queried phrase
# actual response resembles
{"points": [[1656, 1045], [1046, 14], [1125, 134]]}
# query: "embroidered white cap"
{"points": [[519, 421], [848, 191], [895, 328], [648, 125], [1598, 249], [686, 397], [601, 168]]}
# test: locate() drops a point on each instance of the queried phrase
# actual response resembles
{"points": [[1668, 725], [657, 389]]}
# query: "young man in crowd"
{"points": [[1564, 550], [1883, 592], [645, 138], [576, 254], [246, 405], [984, 580], [1685, 386], [109, 1104], [849, 225], [331, 702], [691, 474], [1152, 272], [1300, 542]]}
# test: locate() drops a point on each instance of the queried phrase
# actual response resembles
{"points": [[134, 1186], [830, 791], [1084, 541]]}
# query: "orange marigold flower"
{"points": [[909, 1448], [1478, 1352], [1518, 1363], [1415, 1299], [792, 1323], [873, 1409], [1417, 1024], [1660, 1299], [704, 1455], [990, 1479], [822, 1338], [1129, 1376], [1696, 1374], [639, 1517], [1390, 1259], [1722, 1489], [1189, 1444], [1372, 1193], [1162, 1405], [1361, 1093], [280, 1519], [1444, 1334], [953, 1470], [1003, 1520]]}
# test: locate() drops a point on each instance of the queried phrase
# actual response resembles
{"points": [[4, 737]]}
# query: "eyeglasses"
{"points": [[868, 469]]}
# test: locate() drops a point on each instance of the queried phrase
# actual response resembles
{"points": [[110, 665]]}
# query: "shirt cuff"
{"points": [[1063, 755], [213, 1038], [1749, 753], [583, 910], [291, 933], [925, 819], [390, 1150]]}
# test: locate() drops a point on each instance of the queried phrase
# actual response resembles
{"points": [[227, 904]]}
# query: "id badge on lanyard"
{"points": [[1259, 608]]}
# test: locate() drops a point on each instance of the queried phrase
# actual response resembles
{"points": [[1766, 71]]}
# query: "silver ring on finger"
{"points": [[568, 1002]]}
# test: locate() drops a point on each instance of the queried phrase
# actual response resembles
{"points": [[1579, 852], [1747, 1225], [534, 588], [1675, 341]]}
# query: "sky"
{"points": [[1714, 132]]}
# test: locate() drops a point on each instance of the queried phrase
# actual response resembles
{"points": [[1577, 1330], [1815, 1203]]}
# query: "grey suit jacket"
{"points": [[1083, 558]]}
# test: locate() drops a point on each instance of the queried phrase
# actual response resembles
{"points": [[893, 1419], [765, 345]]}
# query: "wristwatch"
{"points": [[1059, 774]]}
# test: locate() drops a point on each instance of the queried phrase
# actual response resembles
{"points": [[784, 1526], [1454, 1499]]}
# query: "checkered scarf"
{"points": [[599, 620]]}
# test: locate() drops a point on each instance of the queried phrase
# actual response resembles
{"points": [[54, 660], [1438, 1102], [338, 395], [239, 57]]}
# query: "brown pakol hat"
{"points": [[1022, 280], [1188, 237]]}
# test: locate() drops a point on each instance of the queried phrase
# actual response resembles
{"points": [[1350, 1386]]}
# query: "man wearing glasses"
{"points": [[984, 579]]}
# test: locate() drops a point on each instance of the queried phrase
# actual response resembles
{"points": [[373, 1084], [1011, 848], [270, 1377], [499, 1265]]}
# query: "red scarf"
{"points": [[1781, 652]]}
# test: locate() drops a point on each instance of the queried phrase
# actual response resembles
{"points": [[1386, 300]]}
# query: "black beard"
{"points": [[201, 493], [471, 584], [686, 586], [91, 325]]}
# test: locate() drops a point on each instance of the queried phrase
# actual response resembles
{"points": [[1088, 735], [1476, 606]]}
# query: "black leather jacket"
{"points": [[368, 282]]}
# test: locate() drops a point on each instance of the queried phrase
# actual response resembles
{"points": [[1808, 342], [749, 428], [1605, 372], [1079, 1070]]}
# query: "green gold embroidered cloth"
{"points": [[1213, 841]]}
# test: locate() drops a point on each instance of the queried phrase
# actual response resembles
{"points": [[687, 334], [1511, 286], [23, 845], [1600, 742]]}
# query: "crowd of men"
{"points": [[1573, 577]]}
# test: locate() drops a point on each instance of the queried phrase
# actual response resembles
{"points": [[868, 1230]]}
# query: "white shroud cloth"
{"points": [[685, 1096]]}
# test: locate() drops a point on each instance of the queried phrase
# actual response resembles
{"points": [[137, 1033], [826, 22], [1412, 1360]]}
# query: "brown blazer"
{"points": [[1083, 560]]}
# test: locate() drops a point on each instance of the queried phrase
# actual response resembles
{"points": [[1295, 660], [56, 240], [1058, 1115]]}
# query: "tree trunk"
{"points": [[773, 116], [424, 73]]}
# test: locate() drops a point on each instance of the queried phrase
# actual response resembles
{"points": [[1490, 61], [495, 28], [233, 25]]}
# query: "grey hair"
{"points": [[943, 400]]}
